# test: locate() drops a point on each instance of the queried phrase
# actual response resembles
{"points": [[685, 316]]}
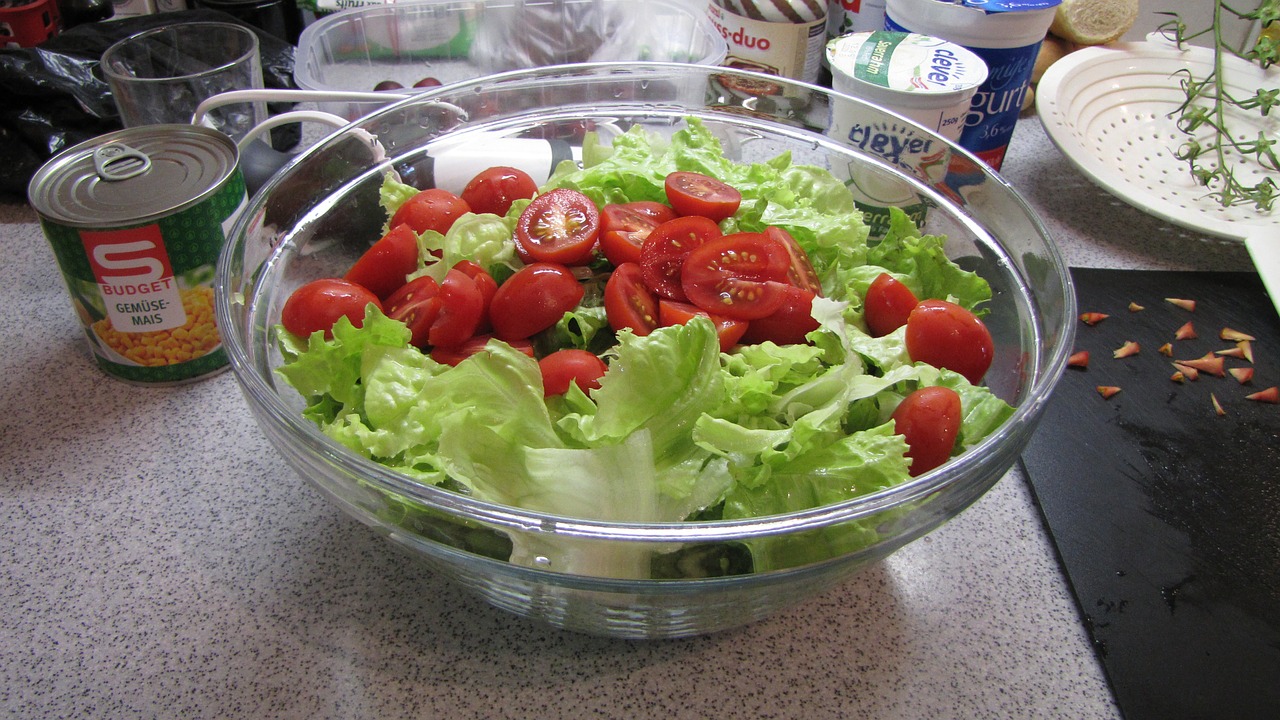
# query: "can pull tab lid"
{"points": [[117, 161]]}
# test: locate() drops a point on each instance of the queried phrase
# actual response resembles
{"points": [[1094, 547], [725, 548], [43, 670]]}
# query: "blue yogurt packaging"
{"points": [[1006, 34]]}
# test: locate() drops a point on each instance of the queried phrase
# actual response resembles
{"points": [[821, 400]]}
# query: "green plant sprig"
{"points": [[1207, 102]]}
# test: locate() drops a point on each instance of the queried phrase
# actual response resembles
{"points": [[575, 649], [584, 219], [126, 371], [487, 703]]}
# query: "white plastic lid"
{"points": [[986, 24], [899, 68]]}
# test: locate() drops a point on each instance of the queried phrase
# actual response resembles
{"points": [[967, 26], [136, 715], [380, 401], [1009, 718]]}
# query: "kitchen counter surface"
{"points": [[158, 559]]}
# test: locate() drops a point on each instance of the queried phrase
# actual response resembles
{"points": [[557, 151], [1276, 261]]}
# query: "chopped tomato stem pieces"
{"points": [[1186, 332], [1128, 349], [1217, 406], [1209, 363], [1270, 395], [1093, 318], [1079, 359], [1188, 305], [1106, 391], [1234, 335], [1242, 375]]}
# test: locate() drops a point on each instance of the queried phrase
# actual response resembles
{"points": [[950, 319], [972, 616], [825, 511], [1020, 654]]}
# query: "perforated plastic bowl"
{"points": [[1110, 110]]}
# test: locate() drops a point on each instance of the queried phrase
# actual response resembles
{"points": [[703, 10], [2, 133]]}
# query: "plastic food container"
{"points": [[453, 40]]}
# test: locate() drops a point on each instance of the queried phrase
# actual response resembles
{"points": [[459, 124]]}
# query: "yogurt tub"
{"points": [[929, 80], [926, 80]]}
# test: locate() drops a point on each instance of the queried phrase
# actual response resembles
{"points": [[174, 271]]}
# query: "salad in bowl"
{"points": [[669, 387]]}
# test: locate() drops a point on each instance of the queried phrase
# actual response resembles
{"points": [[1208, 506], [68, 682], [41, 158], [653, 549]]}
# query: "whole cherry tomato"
{"points": [[431, 209], [319, 304], [929, 420], [887, 305], [946, 335], [494, 189], [533, 299], [563, 367]]}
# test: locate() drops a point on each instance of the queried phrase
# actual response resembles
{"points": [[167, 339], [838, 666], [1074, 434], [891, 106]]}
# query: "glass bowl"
{"points": [[321, 211]]}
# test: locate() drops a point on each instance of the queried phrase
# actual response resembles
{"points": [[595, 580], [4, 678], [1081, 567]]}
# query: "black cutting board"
{"points": [[1165, 514]]}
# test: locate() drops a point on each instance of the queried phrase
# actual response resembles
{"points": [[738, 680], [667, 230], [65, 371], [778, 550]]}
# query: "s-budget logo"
{"points": [[136, 278]]}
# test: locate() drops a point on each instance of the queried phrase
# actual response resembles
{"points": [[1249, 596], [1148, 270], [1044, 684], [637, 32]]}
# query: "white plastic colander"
{"points": [[1109, 110]]}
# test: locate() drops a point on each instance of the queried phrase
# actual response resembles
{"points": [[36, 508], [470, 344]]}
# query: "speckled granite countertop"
{"points": [[158, 559]]}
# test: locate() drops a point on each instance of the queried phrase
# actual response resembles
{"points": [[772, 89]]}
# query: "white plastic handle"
{"points": [[284, 95]]}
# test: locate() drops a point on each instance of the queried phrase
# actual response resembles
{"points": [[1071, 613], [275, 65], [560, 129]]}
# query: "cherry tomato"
{"points": [[487, 286], [787, 325], [417, 305], [410, 292], [570, 366], [387, 86], [652, 209], [431, 209], [887, 305], [663, 252], [801, 273], [628, 302], [741, 276], [419, 316], [674, 312], [318, 305], [473, 346], [692, 193], [946, 335], [929, 420], [494, 189], [560, 226], [461, 306], [383, 267], [428, 82], [622, 233], [533, 299]]}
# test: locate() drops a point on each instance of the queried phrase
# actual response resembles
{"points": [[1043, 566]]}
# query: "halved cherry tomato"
{"points": [[560, 226], [383, 267], [410, 292], [570, 366], [417, 305], [946, 335], [487, 286], [692, 193], [652, 209], [628, 302], [929, 420], [455, 355], [801, 273], [320, 303], [533, 299], [431, 209], [622, 233], [663, 253], [741, 276], [494, 189], [787, 325], [419, 316], [674, 312], [461, 306], [887, 305]]}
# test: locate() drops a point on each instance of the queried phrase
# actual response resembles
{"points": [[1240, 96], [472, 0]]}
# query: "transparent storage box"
{"points": [[452, 40]]}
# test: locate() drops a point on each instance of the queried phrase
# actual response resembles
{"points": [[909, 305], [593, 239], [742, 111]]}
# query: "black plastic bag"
{"points": [[56, 97]]}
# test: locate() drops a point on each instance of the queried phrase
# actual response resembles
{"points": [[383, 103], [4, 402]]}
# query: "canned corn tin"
{"points": [[136, 219]]}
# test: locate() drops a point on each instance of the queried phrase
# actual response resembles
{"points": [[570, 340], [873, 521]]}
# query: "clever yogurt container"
{"points": [[922, 78], [929, 80]]}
